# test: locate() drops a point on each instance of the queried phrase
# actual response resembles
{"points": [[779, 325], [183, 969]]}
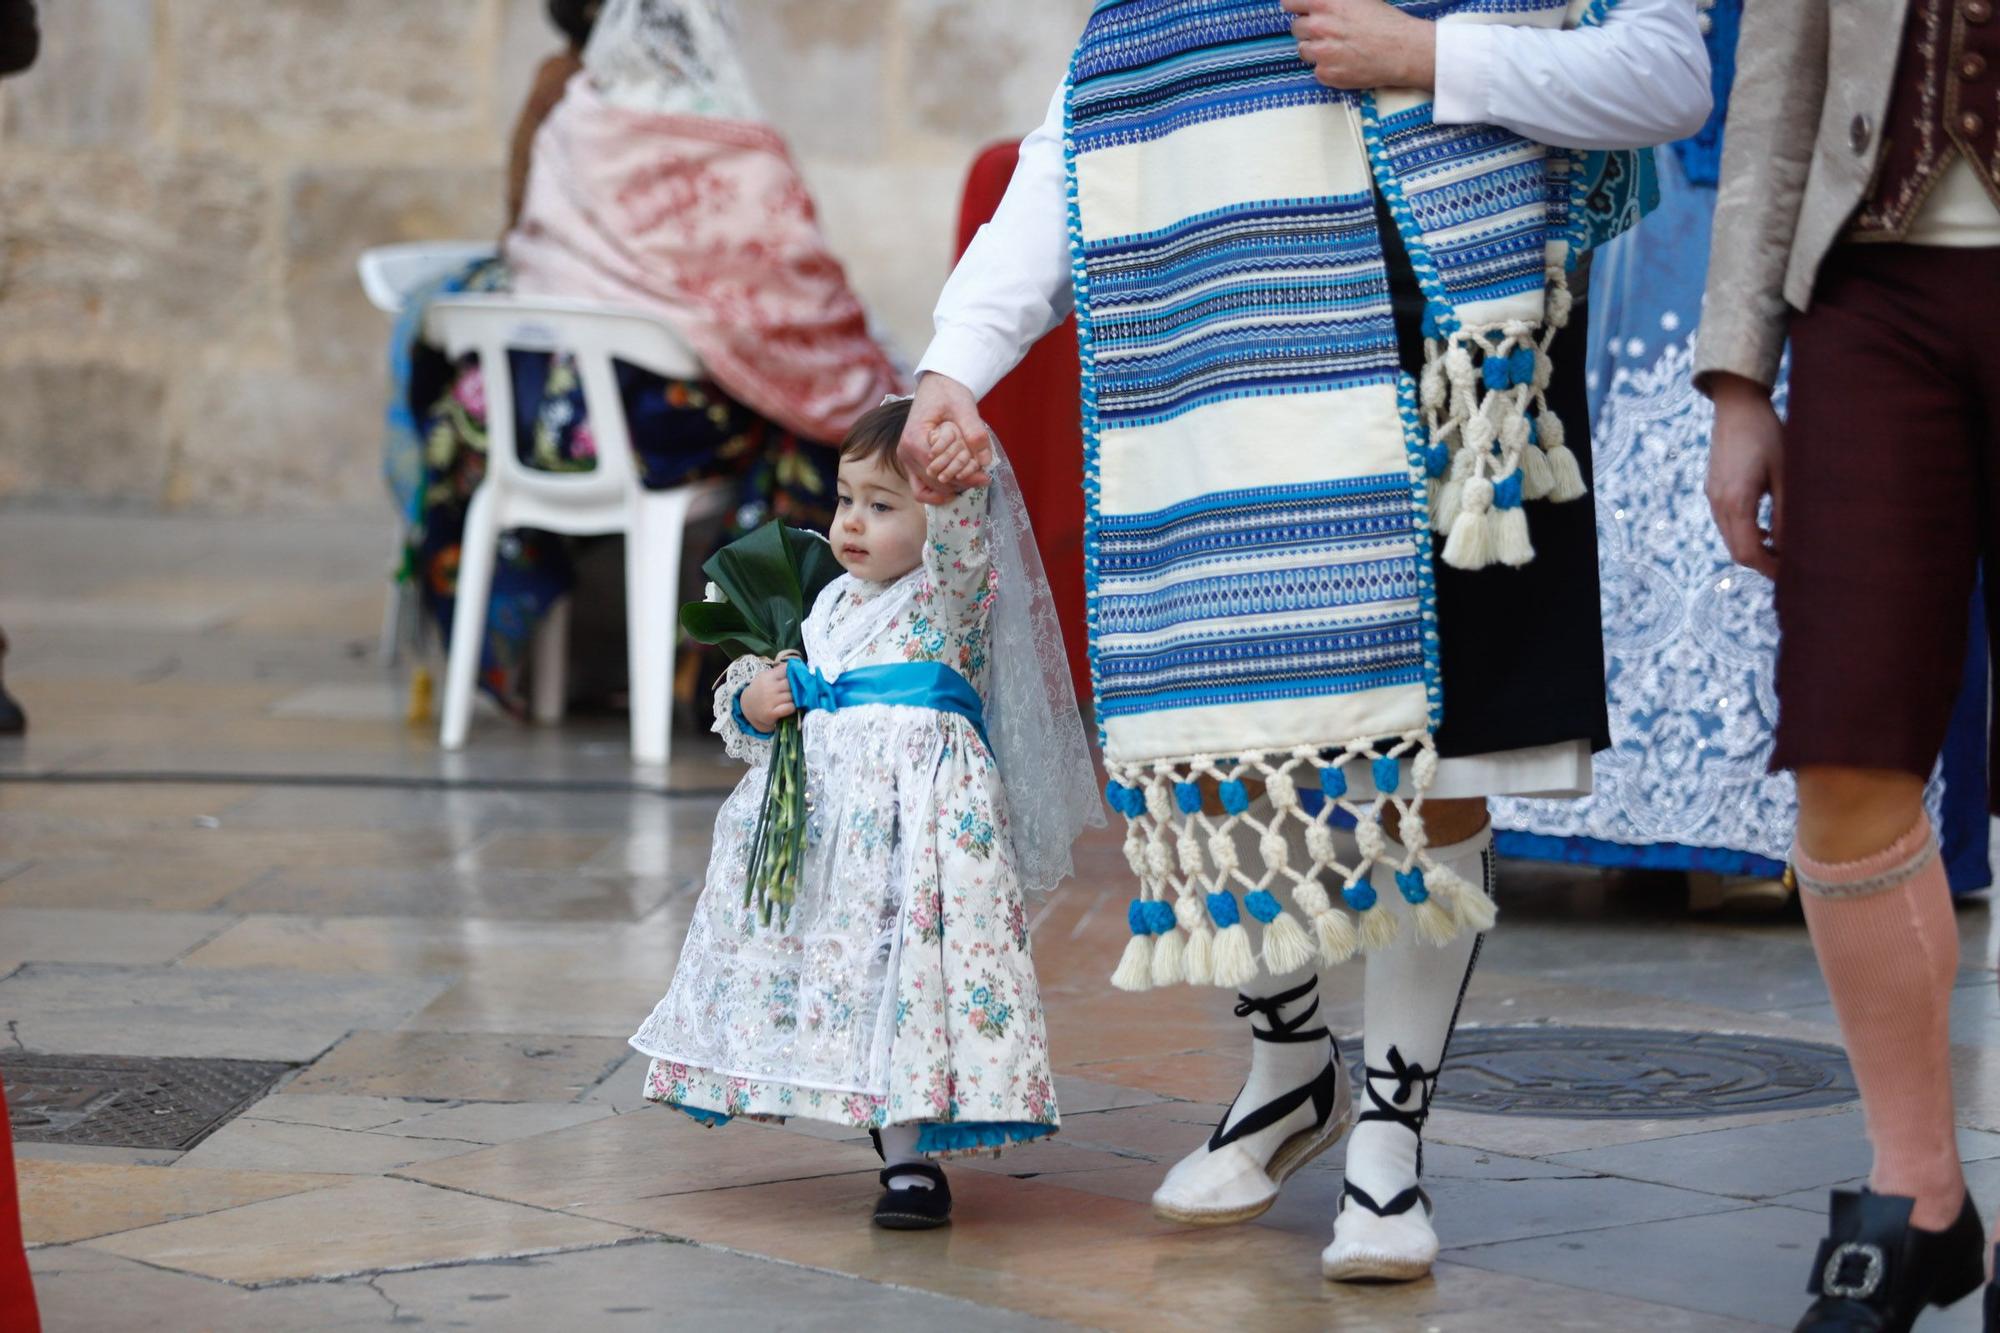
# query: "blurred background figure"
{"points": [[1690, 638], [651, 182]]}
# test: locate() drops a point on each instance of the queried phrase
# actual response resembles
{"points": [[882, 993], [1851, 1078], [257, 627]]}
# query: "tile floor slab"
{"points": [[495, 1122], [1749, 1264], [64, 935], [271, 1145], [1041, 1248], [462, 1066], [1982, 1178], [554, 953], [1758, 1161], [116, 884], [246, 1015], [651, 1285], [586, 1005], [1477, 1212], [624, 1088], [444, 892], [335, 1111], [63, 1202], [1547, 1136], [647, 1154], [365, 1226], [86, 1291]]}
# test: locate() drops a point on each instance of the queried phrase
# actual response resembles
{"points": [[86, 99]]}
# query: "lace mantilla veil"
{"points": [[1031, 714]]}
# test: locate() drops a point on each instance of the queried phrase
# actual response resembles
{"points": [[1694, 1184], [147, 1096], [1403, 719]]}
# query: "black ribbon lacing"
{"points": [[1322, 1091], [1409, 1079]]}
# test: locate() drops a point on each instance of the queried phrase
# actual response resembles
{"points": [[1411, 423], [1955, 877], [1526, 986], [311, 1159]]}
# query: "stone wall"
{"points": [[185, 185]]}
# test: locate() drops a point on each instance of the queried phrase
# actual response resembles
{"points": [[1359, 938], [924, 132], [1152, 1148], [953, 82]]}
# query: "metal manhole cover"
{"points": [[123, 1101], [1603, 1073]]}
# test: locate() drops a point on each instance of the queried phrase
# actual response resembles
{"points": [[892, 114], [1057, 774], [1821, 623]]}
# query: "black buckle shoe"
{"points": [[1875, 1273], [1991, 1323], [912, 1207]]}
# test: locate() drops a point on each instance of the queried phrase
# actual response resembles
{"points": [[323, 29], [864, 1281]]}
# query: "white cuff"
{"points": [[973, 357], [1464, 81]]}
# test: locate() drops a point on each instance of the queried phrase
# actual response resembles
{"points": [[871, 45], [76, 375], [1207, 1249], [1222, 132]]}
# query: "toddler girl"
{"points": [[898, 994]]}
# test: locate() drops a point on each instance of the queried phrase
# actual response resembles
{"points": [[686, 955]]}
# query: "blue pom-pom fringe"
{"points": [[1360, 895], [1388, 775], [1189, 796], [1333, 782], [1262, 905], [1235, 796], [1159, 917], [1507, 491], [1411, 882], [1136, 917], [1222, 910]]}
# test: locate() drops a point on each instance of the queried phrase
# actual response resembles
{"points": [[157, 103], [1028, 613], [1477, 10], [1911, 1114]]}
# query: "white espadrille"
{"points": [[1389, 1242], [1224, 1181]]}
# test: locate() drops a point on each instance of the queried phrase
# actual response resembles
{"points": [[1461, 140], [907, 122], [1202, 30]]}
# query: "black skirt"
{"points": [[1521, 650]]}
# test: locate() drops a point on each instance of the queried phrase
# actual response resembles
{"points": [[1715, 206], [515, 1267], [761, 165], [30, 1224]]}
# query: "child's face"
{"points": [[878, 527]]}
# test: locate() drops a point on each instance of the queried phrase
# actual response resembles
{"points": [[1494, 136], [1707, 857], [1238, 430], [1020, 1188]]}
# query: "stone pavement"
{"points": [[220, 842]]}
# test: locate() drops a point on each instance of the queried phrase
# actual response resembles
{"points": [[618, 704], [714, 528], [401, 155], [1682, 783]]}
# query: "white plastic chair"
{"points": [[608, 498], [389, 273]]}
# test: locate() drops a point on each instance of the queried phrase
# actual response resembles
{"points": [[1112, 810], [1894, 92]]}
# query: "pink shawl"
{"points": [[706, 223]]}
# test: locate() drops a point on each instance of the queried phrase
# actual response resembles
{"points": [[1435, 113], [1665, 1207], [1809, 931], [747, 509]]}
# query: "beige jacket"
{"points": [[1813, 79]]}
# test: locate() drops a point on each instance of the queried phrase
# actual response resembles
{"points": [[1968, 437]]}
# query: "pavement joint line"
{"points": [[361, 781], [873, 1282], [1614, 1226]]}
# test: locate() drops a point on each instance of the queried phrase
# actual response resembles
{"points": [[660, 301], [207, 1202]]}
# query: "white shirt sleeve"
{"points": [[1013, 284], [1638, 79]]}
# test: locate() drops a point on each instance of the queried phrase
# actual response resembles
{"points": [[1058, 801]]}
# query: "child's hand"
{"points": [[768, 699], [958, 462], [940, 401]]}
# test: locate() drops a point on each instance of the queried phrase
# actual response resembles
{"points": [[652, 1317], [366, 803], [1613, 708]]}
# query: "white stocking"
{"points": [[1411, 997], [898, 1146]]}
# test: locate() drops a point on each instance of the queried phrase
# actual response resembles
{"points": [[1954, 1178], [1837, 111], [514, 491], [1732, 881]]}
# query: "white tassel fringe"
{"points": [[1235, 964], [1135, 969]]}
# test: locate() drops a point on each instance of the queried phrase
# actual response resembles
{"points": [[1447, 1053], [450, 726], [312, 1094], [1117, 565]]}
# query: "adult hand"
{"points": [[1746, 463], [1359, 44], [768, 699], [942, 401]]}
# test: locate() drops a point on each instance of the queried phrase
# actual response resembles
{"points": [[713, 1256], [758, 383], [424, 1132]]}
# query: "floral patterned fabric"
{"points": [[901, 990], [681, 431]]}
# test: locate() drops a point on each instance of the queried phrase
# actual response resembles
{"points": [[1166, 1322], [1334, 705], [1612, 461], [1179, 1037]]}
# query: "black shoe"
{"points": [[912, 1207], [1992, 1321], [1875, 1273]]}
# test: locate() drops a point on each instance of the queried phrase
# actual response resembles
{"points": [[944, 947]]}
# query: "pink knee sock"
{"points": [[1883, 929]]}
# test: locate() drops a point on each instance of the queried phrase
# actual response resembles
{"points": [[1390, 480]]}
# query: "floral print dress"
{"points": [[900, 991]]}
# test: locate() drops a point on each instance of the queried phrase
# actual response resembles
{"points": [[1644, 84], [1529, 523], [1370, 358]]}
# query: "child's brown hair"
{"points": [[877, 433]]}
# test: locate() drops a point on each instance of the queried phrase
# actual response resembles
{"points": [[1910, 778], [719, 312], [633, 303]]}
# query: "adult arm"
{"points": [[1637, 79], [1011, 287], [1774, 119], [1774, 114]]}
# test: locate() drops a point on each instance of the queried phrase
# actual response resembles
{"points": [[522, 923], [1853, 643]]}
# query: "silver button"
{"points": [[1860, 133]]}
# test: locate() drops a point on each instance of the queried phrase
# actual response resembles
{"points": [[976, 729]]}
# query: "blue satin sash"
{"points": [[917, 684]]}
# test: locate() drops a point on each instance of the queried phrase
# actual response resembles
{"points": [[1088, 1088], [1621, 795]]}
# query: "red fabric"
{"points": [[707, 224], [17, 1293], [1035, 412]]}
